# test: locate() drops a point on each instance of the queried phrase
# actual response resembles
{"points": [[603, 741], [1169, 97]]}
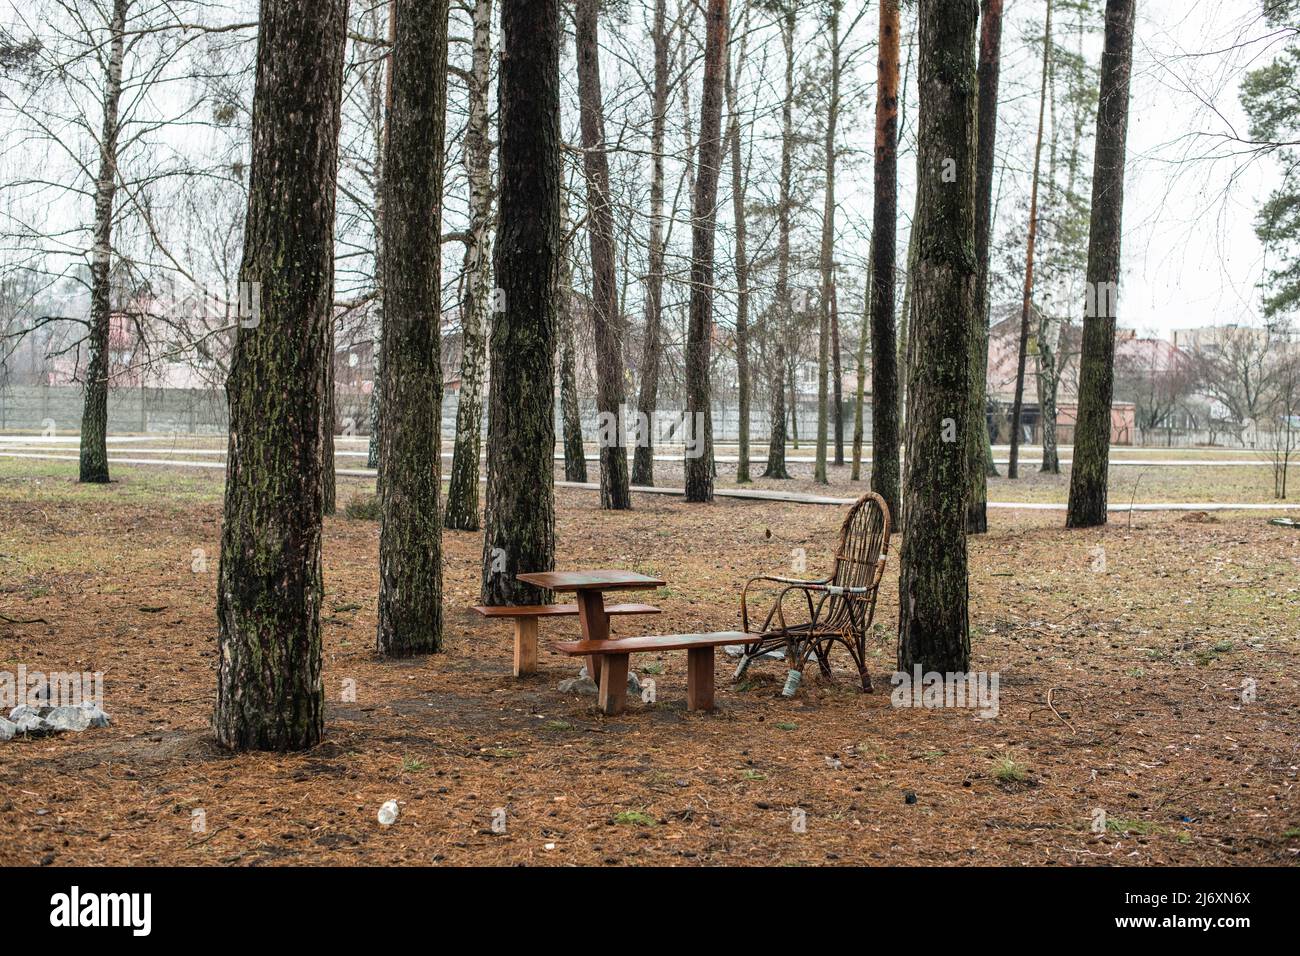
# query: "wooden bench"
{"points": [[699, 663], [525, 617]]}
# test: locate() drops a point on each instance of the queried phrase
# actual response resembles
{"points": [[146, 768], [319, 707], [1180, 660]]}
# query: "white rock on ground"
{"points": [[7, 729], [68, 718]]}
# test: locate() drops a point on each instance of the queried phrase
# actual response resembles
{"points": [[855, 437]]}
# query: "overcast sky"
{"points": [[1190, 253]]}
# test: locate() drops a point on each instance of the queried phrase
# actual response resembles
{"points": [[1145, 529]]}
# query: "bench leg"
{"points": [[525, 645], [613, 683], [699, 678]]}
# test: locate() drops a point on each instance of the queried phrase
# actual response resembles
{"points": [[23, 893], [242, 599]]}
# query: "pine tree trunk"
{"points": [[782, 305], [738, 212], [1026, 304], [462, 493], [643, 460], [884, 368], [269, 690], [600, 232], [410, 530], [704, 216], [979, 449], [519, 525], [933, 628], [94, 413], [1088, 474], [828, 250]]}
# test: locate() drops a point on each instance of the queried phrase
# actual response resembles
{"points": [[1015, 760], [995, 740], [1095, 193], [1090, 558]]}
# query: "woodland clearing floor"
{"points": [[1143, 662]]}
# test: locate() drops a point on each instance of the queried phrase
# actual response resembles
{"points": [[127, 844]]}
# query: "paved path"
{"points": [[755, 494]]}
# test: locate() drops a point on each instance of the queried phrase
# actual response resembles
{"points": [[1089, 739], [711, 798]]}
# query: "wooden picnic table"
{"points": [[589, 588]]}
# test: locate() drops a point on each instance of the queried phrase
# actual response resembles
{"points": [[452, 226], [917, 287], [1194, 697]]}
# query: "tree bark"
{"points": [[738, 212], [978, 449], [782, 305], [575, 453], [864, 333], [269, 690], [1018, 401], [704, 216], [519, 514], [604, 285], [94, 414], [933, 631], [643, 460], [1089, 472], [410, 530], [828, 251], [377, 342], [476, 303], [884, 367]]}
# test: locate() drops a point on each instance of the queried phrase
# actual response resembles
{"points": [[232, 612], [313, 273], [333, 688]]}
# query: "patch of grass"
{"points": [[787, 725], [1125, 825], [557, 725], [1204, 658], [754, 775], [634, 818], [655, 667], [1007, 770], [1292, 834], [362, 508], [1223, 647], [413, 764]]}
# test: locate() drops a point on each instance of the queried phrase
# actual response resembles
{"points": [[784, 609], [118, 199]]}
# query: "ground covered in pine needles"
{"points": [[1122, 655]]}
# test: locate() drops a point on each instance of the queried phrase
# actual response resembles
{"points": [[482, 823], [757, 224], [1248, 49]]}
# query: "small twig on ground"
{"points": [[22, 620], [1057, 712]]}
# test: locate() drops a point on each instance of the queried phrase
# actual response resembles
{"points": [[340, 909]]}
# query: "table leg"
{"points": [[525, 645], [613, 684], [595, 626], [699, 678]]}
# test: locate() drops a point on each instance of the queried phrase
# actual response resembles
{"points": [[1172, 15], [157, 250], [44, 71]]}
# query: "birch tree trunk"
{"points": [[933, 628], [884, 368], [643, 461], [519, 513], [410, 530], [979, 450], [575, 454], [1090, 470], [382, 109], [600, 232], [704, 216], [269, 690], [462, 493], [828, 248], [94, 414]]}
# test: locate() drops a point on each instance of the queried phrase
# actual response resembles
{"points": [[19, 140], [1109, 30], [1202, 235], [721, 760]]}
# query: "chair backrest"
{"points": [[864, 542]]}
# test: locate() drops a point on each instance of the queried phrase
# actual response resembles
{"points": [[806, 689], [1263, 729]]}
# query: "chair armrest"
{"points": [[790, 583]]}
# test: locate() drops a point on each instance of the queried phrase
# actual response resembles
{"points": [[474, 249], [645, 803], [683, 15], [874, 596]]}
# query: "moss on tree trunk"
{"points": [[269, 690]]}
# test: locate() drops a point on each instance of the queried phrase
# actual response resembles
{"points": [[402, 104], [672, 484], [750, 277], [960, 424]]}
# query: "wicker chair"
{"points": [[839, 608]]}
